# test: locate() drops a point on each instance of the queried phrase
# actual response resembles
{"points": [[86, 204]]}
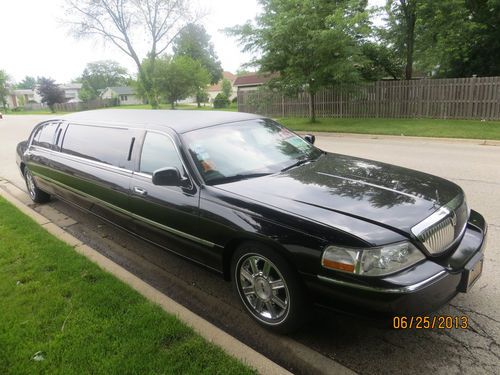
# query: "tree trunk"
{"points": [[172, 104], [312, 106], [148, 88], [153, 101], [410, 15]]}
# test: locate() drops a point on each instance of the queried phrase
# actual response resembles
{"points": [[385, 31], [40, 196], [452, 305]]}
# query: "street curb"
{"points": [[481, 142], [204, 328]]}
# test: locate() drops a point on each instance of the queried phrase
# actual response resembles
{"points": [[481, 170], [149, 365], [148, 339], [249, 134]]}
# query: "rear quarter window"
{"points": [[44, 136], [103, 144]]}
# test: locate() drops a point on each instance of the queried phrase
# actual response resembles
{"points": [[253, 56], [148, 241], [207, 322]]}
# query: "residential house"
{"points": [[71, 91], [214, 90], [23, 98], [30, 98], [125, 94], [251, 82]]}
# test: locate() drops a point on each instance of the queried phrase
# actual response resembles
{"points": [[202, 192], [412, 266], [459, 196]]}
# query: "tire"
{"points": [[269, 288], [36, 194]]}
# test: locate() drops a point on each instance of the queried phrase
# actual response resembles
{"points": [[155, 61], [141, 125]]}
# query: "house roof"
{"points": [[71, 86], [218, 86], [255, 79], [180, 121], [121, 90], [23, 92]]}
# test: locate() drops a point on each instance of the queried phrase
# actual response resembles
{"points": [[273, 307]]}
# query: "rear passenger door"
{"points": [[96, 169], [167, 215]]}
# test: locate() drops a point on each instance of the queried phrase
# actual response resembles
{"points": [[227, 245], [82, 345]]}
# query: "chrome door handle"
{"points": [[140, 191]]}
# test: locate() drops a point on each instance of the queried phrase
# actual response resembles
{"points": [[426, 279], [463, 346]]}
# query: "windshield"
{"points": [[246, 149]]}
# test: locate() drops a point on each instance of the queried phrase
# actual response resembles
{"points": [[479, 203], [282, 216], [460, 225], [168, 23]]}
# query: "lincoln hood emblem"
{"points": [[453, 217]]}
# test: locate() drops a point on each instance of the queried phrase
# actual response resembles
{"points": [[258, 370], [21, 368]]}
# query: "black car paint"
{"points": [[336, 199]]}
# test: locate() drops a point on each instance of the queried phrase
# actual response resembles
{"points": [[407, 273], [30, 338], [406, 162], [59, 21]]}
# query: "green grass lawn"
{"points": [[474, 129], [82, 319], [409, 127]]}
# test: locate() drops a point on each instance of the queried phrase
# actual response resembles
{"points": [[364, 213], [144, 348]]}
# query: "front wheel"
{"points": [[36, 194], [269, 288]]}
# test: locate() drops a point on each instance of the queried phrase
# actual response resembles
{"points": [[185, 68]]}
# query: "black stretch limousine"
{"points": [[288, 223]]}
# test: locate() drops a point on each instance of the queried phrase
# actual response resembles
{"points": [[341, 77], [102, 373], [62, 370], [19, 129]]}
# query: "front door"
{"points": [[168, 215]]}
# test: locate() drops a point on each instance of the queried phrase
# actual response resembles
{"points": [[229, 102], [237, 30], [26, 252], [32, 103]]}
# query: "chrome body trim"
{"points": [[131, 214], [399, 290], [84, 160], [113, 167]]}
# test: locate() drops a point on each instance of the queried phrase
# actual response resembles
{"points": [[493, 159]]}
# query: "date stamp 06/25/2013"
{"points": [[430, 322]]}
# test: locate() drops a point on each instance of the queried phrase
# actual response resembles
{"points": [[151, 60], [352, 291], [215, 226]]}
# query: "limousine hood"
{"points": [[384, 194]]}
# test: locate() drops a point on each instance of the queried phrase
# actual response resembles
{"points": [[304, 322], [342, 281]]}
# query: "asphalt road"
{"points": [[360, 345]]}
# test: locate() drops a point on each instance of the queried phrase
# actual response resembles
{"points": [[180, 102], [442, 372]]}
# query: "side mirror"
{"points": [[310, 138], [169, 176]]}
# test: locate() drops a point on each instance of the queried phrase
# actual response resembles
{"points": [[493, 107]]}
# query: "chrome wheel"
{"points": [[263, 288], [30, 184]]}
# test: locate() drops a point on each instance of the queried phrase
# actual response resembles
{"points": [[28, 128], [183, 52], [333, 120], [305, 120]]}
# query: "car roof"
{"points": [[179, 120]]}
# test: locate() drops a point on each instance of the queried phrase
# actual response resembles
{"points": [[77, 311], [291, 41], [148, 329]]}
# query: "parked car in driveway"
{"points": [[287, 223]]}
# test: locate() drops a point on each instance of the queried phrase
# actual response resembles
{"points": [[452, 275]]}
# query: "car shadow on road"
{"points": [[362, 344]]}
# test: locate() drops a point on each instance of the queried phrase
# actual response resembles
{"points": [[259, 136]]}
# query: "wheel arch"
{"points": [[236, 242]]}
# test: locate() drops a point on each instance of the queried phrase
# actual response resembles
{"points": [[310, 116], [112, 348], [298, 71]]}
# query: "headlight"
{"points": [[373, 261]]}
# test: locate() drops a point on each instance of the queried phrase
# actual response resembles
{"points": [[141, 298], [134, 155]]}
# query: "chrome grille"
{"points": [[444, 227], [438, 237]]}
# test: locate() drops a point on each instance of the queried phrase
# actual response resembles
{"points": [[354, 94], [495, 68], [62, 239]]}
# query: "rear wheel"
{"points": [[269, 288], [36, 194]]}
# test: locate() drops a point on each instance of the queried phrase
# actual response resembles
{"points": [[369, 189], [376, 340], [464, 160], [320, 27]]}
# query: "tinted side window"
{"points": [[106, 145], [158, 151], [44, 137]]}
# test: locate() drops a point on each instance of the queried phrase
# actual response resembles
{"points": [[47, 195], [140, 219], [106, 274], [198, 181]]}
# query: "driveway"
{"points": [[360, 345]]}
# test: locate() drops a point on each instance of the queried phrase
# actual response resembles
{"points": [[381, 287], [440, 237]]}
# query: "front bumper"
{"points": [[422, 288]]}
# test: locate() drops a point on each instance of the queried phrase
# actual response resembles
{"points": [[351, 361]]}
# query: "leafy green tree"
{"points": [[194, 42], [202, 96], [227, 88], [101, 74], [457, 38], [4, 88], [243, 71], [380, 62], [128, 24], [400, 32], [176, 78], [50, 92], [221, 100], [453, 38], [28, 83], [312, 44]]}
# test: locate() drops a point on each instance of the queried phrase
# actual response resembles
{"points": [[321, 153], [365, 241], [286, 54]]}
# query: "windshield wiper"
{"points": [[297, 163], [236, 177]]}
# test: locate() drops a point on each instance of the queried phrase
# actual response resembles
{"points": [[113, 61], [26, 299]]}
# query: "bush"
{"points": [[235, 100], [221, 101]]}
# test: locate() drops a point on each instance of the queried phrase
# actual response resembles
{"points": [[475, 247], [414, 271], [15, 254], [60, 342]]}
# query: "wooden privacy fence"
{"points": [[83, 106], [458, 98]]}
